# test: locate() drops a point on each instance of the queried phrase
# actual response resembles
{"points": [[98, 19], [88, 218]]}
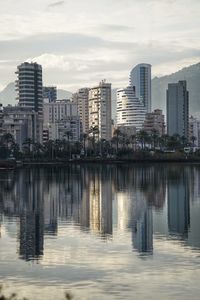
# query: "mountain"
{"points": [[8, 94], [159, 86], [191, 74], [62, 94]]}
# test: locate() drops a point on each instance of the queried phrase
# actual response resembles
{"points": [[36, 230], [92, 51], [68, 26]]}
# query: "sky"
{"points": [[81, 42]]}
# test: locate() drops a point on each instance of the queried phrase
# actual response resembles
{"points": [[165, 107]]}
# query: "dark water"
{"points": [[102, 232]]}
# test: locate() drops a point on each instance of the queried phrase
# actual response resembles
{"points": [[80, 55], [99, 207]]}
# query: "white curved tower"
{"points": [[130, 111]]}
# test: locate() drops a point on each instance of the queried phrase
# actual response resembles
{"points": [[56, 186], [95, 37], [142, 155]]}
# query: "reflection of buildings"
{"points": [[142, 224], [178, 206], [31, 235], [100, 195]]}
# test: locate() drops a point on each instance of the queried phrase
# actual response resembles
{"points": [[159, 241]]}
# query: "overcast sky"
{"points": [[80, 42]]}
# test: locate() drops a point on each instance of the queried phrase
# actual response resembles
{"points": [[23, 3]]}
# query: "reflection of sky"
{"points": [[83, 260]]}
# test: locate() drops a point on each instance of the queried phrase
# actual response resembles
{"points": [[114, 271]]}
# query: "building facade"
{"points": [[49, 94], [155, 121], [61, 121], [178, 109], [81, 100], [59, 110], [140, 77], [100, 109], [68, 129], [30, 91], [194, 131], [130, 111], [21, 122]]}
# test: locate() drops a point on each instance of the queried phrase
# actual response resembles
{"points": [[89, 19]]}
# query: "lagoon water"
{"points": [[101, 232]]}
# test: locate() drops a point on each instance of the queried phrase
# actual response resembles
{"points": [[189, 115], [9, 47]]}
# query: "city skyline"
{"points": [[77, 42]]}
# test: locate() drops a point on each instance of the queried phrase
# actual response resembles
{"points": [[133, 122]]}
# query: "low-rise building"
{"points": [[68, 129], [154, 121], [21, 122]]}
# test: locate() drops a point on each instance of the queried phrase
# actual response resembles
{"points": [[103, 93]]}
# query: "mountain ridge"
{"points": [[159, 86]]}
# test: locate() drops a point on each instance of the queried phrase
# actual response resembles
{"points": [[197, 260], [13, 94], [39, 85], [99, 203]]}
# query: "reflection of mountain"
{"points": [[178, 206]]}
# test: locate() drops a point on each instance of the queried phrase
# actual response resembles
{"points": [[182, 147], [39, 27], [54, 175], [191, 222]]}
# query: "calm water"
{"points": [[101, 232]]}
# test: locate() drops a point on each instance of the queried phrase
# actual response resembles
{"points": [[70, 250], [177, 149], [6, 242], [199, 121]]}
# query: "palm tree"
{"points": [[84, 138], [143, 138], [7, 139], [117, 133], [94, 130], [154, 136], [27, 145], [68, 134], [133, 141], [193, 139]]}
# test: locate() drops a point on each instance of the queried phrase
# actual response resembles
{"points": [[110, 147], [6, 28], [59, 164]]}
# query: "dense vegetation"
{"points": [[91, 146]]}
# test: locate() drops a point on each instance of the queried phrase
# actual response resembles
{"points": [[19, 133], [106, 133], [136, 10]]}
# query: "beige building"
{"points": [[21, 122], [59, 110], [81, 100], [154, 121], [194, 131], [100, 109]]}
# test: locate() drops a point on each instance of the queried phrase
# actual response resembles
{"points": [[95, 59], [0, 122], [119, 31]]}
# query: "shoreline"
{"points": [[7, 165]]}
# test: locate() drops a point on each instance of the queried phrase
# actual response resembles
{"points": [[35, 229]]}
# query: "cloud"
{"points": [[116, 27], [58, 3]]}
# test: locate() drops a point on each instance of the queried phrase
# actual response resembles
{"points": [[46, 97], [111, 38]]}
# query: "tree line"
{"points": [[91, 145]]}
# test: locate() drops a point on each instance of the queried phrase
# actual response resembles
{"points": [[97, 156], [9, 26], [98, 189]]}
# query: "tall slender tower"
{"points": [[100, 109], [140, 77], [81, 99], [130, 111], [30, 92], [178, 109]]}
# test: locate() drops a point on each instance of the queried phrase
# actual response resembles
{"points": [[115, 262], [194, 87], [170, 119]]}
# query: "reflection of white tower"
{"points": [[142, 225], [123, 205]]}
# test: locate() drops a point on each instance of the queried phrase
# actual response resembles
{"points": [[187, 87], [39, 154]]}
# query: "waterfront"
{"points": [[101, 232]]}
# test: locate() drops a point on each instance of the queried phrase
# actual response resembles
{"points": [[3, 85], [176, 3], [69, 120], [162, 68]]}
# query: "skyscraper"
{"points": [[100, 109], [30, 94], [140, 77], [130, 111], [178, 109], [81, 99]]}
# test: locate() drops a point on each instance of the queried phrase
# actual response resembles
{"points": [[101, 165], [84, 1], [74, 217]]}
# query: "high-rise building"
{"points": [[81, 99], [178, 109], [194, 131], [61, 118], [57, 111], [154, 121], [140, 77], [49, 94], [29, 86], [30, 93], [130, 111], [100, 109], [1, 119]]}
